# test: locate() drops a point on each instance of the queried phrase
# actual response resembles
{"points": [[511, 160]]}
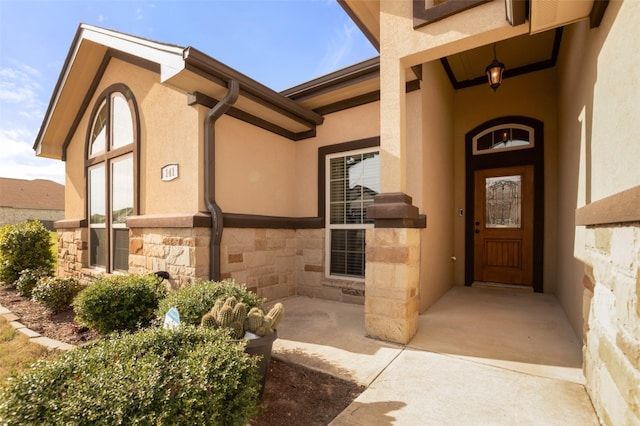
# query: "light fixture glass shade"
{"points": [[494, 74]]}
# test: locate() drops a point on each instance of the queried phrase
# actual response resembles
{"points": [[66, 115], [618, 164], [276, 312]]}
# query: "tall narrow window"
{"points": [[111, 154], [353, 179]]}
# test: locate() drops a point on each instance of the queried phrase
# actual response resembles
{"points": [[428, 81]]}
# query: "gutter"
{"points": [[213, 70], [214, 114]]}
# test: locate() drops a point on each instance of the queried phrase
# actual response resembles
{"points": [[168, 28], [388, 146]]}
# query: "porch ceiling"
{"points": [[520, 55]]}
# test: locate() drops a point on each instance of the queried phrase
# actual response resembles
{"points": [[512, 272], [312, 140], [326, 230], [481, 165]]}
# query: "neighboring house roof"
{"points": [[31, 194]]}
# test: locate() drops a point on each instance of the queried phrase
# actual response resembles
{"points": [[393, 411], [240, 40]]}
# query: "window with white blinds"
{"points": [[353, 179]]}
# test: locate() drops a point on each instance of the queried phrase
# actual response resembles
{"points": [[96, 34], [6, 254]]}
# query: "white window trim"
{"points": [[328, 226]]}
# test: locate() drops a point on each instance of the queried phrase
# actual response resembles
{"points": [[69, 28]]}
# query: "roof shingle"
{"points": [[31, 194]]}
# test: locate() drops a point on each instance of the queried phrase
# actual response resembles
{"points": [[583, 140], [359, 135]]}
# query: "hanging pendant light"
{"points": [[494, 71]]}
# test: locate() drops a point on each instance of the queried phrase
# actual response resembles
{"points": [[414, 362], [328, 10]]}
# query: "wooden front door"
{"points": [[504, 225]]}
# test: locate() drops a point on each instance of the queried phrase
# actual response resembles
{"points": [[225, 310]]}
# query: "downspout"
{"points": [[210, 176]]}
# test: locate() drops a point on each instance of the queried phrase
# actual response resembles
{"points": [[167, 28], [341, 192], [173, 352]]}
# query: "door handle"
{"points": [[477, 231]]}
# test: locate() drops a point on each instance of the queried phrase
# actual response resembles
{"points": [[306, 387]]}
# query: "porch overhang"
{"points": [[183, 68], [542, 14]]}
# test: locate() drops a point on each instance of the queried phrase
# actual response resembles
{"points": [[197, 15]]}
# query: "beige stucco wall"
{"points": [[343, 126], [430, 178], [255, 170], [403, 47], [599, 88], [75, 185], [259, 172], [169, 133]]}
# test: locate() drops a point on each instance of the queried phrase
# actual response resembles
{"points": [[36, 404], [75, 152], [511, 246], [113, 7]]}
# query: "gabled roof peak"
{"points": [[183, 68]]}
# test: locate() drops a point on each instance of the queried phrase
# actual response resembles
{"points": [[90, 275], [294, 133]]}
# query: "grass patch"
{"points": [[16, 352]]}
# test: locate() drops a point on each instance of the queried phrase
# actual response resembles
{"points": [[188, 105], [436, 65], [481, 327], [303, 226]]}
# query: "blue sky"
{"points": [[279, 43]]}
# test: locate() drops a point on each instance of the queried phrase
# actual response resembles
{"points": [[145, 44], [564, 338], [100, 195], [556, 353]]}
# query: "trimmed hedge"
{"points": [[194, 301], [190, 375], [119, 302], [56, 293], [26, 245]]}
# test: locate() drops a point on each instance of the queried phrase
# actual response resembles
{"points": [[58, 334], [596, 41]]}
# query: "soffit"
{"points": [[342, 86], [366, 15], [525, 53], [342, 94]]}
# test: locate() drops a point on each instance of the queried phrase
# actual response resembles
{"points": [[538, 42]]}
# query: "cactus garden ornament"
{"points": [[253, 324], [233, 314]]}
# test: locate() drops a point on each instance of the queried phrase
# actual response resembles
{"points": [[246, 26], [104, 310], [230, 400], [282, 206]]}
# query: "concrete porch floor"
{"points": [[481, 356]]}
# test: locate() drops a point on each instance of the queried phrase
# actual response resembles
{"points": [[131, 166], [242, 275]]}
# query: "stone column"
{"points": [[393, 268]]}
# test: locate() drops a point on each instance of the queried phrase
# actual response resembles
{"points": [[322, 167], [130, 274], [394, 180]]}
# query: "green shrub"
{"points": [[189, 375], [29, 279], [55, 293], [119, 302], [194, 301], [26, 245]]}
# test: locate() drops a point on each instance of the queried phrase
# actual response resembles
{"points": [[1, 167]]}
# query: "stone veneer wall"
{"points": [[392, 281], [310, 268], [612, 322], [275, 263], [73, 251], [182, 252], [278, 263], [262, 259]]}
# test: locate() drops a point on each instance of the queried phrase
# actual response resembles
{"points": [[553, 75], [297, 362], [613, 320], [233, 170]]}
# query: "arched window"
{"points": [[508, 137], [111, 170]]}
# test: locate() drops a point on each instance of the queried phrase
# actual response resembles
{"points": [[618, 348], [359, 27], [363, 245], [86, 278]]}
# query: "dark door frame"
{"points": [[533, 156]]}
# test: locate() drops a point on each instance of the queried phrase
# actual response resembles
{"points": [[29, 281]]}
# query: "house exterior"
{"points": [[22, 200], [385, 183]]}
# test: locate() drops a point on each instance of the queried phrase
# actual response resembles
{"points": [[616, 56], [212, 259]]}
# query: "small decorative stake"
{"points": [[171, 319]]}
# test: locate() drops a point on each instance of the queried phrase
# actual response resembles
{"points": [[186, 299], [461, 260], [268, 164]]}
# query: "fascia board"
{"points": [[169, 57]]}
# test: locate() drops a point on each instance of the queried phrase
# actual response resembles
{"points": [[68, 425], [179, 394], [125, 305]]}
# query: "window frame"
{"points": [[329, 227], [511, 127], [106, 158], [423, 15]]}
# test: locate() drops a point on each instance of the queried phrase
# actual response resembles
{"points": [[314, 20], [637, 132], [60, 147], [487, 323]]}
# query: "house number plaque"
{"points": [[169, 172]]}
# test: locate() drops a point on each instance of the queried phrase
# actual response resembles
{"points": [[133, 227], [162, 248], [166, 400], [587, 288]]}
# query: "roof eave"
{"points": [[248, 87], [366, 15]]}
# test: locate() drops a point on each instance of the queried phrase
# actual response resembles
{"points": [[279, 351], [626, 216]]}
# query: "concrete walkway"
{"points": [[481, 357]]}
